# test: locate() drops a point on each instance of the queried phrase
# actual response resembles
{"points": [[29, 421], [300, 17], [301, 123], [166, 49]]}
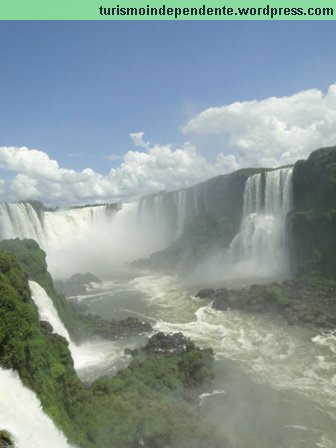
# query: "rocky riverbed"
{"points": [[300, 301]]}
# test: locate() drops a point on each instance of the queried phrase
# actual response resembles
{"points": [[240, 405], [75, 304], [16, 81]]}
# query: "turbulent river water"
{"points": [[275, 385]]}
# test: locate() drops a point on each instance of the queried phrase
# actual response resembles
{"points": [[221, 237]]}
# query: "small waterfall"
{"points": [[86, 356], [21, 414], [180, 201], [46, 309], [261, 242]]}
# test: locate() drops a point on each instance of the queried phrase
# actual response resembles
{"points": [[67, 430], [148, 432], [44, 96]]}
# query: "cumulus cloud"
{"points": [[138, 139], [160, 167], [271, 132]]}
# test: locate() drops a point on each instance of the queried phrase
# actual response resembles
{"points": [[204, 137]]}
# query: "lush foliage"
{"points": [[149, 402], [312, 223], [79, 324]]}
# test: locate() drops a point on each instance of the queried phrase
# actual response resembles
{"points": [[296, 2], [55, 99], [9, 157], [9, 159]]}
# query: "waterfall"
{"points": [[168, 213], [260, 246], [180, 201], [50, 228], [20, 220], [21, 414], [86, 356], [47, 310], [63, 225]]}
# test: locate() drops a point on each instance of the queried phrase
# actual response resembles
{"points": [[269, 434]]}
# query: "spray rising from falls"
{"points": [[21, 414], [260, 247], [101, 238], [167, 213]]}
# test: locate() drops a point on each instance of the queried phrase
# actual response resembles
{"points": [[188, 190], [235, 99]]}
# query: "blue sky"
{"points": [[76, 90]]}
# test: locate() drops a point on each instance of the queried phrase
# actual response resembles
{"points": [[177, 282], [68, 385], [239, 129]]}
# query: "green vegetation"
{"points": [[151, 401], [79, 324], [312, 223], [41, 358], [6, 440]]}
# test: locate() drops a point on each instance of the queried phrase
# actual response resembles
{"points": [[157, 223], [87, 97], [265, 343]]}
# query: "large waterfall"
{"points": [[21, 414], [167, 213], [94, 238], [50, 228], [260, 246]]}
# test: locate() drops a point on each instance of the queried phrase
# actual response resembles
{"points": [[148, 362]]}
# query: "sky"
{"points": [[106, 111]]}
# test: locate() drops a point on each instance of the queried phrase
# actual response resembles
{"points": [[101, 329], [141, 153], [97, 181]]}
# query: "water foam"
{"points": [[21, 414], [261, 246], [86, 356]]}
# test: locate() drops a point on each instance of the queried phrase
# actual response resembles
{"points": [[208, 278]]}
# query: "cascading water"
{"points": [[63, 225], [21, 414], [180, 200], [260, 246], [86, 356], [20, 220], [168, 212], [49, 228]]}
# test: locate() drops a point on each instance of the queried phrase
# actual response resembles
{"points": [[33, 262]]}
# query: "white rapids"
{"points": [[22, 416]]}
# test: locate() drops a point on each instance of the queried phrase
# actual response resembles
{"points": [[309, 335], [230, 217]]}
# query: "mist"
{"points": [[105, 248]]}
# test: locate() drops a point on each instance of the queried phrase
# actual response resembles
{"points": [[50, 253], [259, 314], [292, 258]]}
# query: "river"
{"points": [[275, 384]]}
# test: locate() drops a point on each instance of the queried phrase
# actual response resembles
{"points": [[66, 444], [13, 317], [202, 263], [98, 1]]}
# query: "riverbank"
{"points": [[302, 300]]}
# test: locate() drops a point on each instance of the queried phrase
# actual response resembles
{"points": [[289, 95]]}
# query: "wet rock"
{"points": [[77, 284], [163, 343], [299, 301], [117, 328], [206, 293], [222, 299], [46, 326], [131, 352]]}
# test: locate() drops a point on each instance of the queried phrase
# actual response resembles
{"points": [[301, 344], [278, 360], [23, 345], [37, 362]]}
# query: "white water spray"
{"points": [[260, 246], [21, 415], [50, 228], [20, 220], [86, 356]]}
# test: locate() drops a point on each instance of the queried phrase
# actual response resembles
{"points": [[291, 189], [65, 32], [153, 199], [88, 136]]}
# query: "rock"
{"points": [[220, 305], [163, 343], [131, 352], [222, 294], [291, 319], [46, 326], [256, 308], [6, 439], [116, 328], [221, 299], [206, 293], [301, 300], [77, 284]]}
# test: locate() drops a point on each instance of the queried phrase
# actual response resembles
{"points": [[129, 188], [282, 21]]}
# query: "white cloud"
{"points": [[138, 139], [270, 132], [36, 176]]}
